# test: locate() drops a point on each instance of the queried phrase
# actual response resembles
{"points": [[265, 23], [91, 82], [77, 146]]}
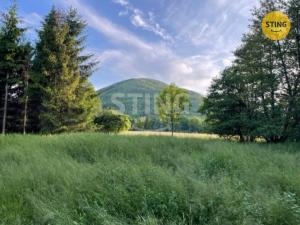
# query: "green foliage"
{"points": [[53, 94], [107, 179], [112, 122], [15, 57], [258, 96], [147, 123], [171, 103], [190, 124], [67, 100], [144, 88], [224, 107], [185, 124]]}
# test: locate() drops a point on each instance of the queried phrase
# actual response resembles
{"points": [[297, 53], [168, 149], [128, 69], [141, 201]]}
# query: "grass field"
{"points": [[96, 179], [169, 134]]}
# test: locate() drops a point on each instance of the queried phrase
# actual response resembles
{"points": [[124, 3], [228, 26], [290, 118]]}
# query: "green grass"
{"points": [[98, 179]]}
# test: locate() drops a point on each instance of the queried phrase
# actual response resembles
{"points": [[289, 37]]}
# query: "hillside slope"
{"points": [[140, 92]]}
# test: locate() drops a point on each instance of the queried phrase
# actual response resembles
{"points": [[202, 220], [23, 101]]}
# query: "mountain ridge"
{"points": [[146, 90]]}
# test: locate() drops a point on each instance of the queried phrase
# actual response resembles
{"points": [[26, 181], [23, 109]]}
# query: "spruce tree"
{"points": [[11, 69], [26, 54], [87, 101], [68, 101]]}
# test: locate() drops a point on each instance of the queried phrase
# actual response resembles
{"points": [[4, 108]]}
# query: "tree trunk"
{"points": [[298, 50], [290, 90], [242, 138], [25, 106], [285, 71], [298, 36], [5, 106], [172, 126]]}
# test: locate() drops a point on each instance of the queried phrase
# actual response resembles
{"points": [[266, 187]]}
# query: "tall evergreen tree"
{"points": [[11, 69], [68, 101], [87, 101], [26, 58]]}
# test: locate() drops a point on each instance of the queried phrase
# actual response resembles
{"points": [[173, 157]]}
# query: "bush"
{"points": [[190, 124], [147, 123], [111, 122], [193, 124]]}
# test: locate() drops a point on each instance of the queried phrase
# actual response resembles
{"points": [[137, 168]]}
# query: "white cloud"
{"points": [[211, 44], [183, 68], [193, 72], [32, 20], [138, 21], [219, 23], [142, 20], [106, 27], [121, 2], [212, 33]]}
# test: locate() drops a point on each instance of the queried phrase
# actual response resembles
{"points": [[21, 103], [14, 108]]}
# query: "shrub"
{"points": [[112, 122]]}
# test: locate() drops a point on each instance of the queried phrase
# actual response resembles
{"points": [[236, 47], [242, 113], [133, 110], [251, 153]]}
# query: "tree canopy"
{"points": [[259, 94], [47, 91], [15, 56], [171, 103]]}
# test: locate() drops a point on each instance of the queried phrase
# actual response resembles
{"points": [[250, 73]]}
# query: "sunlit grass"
{"points": [[100, 179], [182, 135]]}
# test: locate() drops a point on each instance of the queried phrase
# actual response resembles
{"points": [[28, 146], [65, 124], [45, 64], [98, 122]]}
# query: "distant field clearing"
{"points": [[185, 135]]}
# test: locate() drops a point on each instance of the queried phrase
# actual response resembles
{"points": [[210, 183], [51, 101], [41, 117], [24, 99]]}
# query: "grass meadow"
{"points": [[98, 179]]}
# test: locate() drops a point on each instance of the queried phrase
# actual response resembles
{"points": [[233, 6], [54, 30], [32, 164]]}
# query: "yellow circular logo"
{"points": [[276, 25]]}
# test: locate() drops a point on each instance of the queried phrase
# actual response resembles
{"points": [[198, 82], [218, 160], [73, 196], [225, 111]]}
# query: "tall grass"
{"points": [[93, 179]]}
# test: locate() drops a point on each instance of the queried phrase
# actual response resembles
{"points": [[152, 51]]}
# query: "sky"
{"points": [[186, 42]]}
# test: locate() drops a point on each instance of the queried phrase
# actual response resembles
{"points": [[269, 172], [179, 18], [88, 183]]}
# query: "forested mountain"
{"points": [[145, 91]]}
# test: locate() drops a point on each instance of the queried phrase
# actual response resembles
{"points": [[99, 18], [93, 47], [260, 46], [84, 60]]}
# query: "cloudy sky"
{"points": [[187, 42]]}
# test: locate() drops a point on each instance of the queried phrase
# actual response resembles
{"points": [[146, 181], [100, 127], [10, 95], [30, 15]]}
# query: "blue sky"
{"points": [[187, 42]]}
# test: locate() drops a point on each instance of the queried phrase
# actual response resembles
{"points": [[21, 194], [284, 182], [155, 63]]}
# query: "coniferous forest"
{"points": [[45, 87]]}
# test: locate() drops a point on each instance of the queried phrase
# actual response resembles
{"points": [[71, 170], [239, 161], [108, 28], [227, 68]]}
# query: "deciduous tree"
{"points": [[171, 103]]}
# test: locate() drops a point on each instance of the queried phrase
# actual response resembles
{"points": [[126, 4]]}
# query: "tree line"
{"points": [[45, 87], [258, 96]]}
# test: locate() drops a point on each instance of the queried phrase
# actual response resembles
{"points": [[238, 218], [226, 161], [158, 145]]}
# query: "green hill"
{"points": [[126, 95]]}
